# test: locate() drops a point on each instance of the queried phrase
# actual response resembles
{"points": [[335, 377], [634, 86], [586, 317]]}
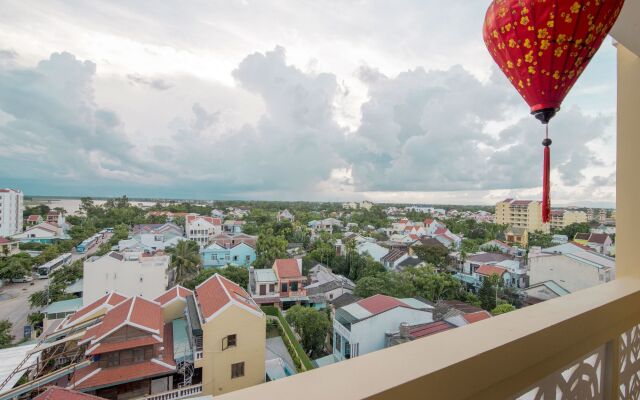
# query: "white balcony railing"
{"points": [[181, 393]]}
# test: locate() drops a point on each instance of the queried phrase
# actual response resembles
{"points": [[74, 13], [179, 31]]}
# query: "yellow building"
{"points": [[525, 214], [562, 218], [233, 337]]}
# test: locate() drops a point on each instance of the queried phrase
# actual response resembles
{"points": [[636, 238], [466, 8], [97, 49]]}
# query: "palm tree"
{"points": [[185, 259]]}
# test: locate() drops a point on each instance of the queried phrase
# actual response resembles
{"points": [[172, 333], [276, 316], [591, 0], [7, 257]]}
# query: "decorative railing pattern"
{"points": [[582, 379], [175, 394], [630, 364]]}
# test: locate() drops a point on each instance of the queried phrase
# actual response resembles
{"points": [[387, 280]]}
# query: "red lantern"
{"points": [[543, 46]]}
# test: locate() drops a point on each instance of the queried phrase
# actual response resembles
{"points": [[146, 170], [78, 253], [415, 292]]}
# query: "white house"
{"points": [[571, 266], [132, 274], [373, 249], [362, 327], [285, 215], [44, 232], [201, 228], [11, 208]]}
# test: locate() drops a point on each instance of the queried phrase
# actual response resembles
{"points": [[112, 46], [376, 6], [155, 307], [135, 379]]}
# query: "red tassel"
{"points": [[546, 186]]}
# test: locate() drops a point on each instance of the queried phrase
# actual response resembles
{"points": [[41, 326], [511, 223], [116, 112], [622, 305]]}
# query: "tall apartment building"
{"points": [[525, 214], [11, 207], [563, 218]]}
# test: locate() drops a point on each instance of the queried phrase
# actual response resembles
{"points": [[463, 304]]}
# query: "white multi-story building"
{"points": [[11, 207], [131, 274], [201, 228]]}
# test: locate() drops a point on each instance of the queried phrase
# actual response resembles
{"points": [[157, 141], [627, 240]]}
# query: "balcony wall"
{"points": [[585, 345]]}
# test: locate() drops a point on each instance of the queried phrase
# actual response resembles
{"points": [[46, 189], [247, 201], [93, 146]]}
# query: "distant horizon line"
{"points": [[160, 199]]}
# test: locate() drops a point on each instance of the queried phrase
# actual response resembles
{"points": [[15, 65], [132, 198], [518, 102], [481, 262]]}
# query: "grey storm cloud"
{"points": [[420, 131], [423, 131], [55, 128]]}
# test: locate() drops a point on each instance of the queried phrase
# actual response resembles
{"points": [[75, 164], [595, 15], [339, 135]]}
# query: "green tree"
{"points": [[239, 275], [432, 254], [5, 333], [269, 248], [16, 266], [573, 229], [185, 259], [541, 239], [502, 308], [487, 295], [312, 325]]}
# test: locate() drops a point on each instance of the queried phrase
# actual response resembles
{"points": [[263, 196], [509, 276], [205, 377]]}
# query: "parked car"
{"points": [[23, 279]]}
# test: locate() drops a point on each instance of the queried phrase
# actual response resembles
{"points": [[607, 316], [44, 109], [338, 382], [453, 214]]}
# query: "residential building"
{"points": [[233, 337], [263, 286], [500, 246], [376, 251], [351, 205], [163, 232], [8, 247], [410, 262], [526, 214], [131, 350], [216, 255], [290, 281], [458, 312], [571, 266], [599, 242], [486, 271], [543, 291], [361, 327], [42, 233], [59, 310], [11, 208], [407, 333], [217, 213], [34, 219], [147, 243], [55, 217], [366, 204], [517, 235], [325, 225], [58, 393], [324, 285], [393, 258], [170, 216], [230, 240], [474, 261], [285, 215], [201, 228], [562, 218], [132, 274], [232, 226]]}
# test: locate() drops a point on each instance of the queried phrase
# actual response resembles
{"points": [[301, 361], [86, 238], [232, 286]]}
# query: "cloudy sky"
{"points": [[394, 101]]}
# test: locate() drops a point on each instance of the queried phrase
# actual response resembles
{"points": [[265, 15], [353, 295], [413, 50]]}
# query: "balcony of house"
{"points": [[175, 394], [585, 345], [292, 292]]}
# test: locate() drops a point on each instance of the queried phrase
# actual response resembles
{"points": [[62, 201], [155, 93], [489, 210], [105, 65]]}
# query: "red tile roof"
{"points": [[380, 303], [476, 316], [58, 393], [116, 346], [107, 301], [33, 217], [136, 312], [4, 240], [211, 220], [428, 221], [431, 328], [217, 291], [440, 231], [94, 376], [489, 270], [287, 268], [599, 238], [176, 292]]}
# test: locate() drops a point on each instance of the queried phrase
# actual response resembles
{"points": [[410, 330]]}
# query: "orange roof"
{"points": [[211, 220], [218, 291], [136, 312], [476, 316], [287, 268], [102, 348], [489, 270], [33, 217], [58, 393], [108, 301], [176, 292]]}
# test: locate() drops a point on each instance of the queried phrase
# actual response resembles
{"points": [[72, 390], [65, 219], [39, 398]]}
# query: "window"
{"points": [[235, 258], [284, 288], [247, 258], [272, 287], [237, 370], [294, 286], [338, 342], [229, 341], [214, 257]]}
